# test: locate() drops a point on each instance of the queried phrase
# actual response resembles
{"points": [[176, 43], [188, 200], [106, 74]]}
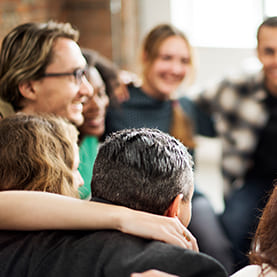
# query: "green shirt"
{"points": [[88, 152]]}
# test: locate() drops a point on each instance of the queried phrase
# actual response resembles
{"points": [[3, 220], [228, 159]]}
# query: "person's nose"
{"points": [[178, 68], [86, 88]]}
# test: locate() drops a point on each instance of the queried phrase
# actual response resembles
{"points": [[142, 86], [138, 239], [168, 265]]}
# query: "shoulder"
{"points": [[184, 100], [88, 147], [255, 271], [245, 81], [250, 270], [187, 105], [89, 141], [172, 259], [118, 254], [134, 89]]}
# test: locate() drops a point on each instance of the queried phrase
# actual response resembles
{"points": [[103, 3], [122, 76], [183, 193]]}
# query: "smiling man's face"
{"points": [[267, 53], [62, 95]]}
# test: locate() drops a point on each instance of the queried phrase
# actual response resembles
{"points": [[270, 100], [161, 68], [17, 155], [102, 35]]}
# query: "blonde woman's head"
{"points": [[167, 60], [39, 152]]}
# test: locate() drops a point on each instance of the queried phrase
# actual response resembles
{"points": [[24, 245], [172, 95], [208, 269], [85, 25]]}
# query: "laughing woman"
{"points": [[167, 61]]}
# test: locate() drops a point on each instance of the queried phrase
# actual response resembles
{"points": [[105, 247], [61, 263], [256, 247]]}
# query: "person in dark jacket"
{"points": [[141, 163]]}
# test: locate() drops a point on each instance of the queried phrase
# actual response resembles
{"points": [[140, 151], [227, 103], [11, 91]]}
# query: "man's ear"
{"points": [[27, 90], [174, 208]]}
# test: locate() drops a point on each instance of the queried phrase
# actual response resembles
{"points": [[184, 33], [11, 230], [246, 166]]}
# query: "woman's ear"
{"points": [[174, 208], [27, 90]]}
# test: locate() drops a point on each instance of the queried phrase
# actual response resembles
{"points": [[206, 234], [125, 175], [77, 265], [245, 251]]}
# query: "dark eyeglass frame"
{"points": [[78, 74]]}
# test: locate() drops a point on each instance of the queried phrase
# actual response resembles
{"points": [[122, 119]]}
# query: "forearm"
{"points": [[29, 210]]}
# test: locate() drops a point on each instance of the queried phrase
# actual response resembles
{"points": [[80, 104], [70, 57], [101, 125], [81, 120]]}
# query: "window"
{"points": [[270, 7], [221, 23]]}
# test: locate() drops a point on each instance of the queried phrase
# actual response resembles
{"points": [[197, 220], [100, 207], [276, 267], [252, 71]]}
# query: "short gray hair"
{"points": [[143, 169]]}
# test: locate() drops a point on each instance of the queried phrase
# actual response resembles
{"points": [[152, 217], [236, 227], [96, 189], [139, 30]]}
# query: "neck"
{"points": [[28, 110]]}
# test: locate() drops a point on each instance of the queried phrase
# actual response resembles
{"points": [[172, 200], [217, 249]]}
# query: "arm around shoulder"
{"points": [[32, 210]]}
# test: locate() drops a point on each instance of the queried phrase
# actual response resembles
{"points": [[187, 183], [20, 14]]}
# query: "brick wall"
{"points": [[93, 19], [14, 12], [112, 32]]}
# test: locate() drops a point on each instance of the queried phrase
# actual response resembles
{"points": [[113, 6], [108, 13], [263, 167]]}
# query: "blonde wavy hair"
{"points": [[37, 153]]}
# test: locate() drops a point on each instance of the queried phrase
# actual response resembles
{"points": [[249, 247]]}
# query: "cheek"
{"points": [[104, 103], [186, 69], [157, 68], [92, 104], [65, 89], [265, 60], [160, 67], [86, 107]]}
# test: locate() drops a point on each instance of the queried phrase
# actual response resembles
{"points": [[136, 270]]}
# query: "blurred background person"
{"points": [[93, 127], [167, 61], [245, 110]]}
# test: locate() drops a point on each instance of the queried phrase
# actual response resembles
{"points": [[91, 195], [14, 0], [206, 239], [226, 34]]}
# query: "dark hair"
{"points": [[26, 52], [265, 240], [268, 22], [107, 69], [143, 169]]}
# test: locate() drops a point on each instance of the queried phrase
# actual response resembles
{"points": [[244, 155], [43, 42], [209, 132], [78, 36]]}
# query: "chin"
{"points": [[77, 120], [165, 94], [96, 132], [168, 91]]}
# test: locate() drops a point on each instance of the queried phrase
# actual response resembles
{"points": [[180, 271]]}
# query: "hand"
{"points": [[152, 273], [126, 78], [121, 93], [192, 242], [163, 228]]}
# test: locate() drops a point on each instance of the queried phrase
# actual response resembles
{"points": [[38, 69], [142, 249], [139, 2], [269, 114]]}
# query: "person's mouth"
{"points": [[77, 106], [172, 80], [94, 122]]}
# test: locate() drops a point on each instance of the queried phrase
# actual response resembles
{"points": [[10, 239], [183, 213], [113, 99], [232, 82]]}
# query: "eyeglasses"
{"points": [[78, 75]]}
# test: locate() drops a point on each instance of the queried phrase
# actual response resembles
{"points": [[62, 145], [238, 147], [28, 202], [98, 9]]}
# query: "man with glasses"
{"points": [[42, 70]]}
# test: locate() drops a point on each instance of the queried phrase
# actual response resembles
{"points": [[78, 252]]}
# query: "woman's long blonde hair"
{"points": [[37, 153]]}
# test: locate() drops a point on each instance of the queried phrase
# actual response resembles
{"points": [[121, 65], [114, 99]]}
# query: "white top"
{"points": [[254, 271]]}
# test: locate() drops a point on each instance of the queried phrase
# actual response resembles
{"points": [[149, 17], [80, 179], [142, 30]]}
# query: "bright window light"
{"points": [[219, 23], [270, 7]]}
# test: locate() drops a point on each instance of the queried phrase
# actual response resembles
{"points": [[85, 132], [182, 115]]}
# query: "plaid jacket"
{"points": [[237, 105]]}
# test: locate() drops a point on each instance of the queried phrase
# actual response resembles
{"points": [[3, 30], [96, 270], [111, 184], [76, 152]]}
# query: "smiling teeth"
{"points": [[78, 105]]}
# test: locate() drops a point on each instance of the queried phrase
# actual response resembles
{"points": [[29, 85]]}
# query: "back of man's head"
{"points": [[143, 169], [25, 53]]}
